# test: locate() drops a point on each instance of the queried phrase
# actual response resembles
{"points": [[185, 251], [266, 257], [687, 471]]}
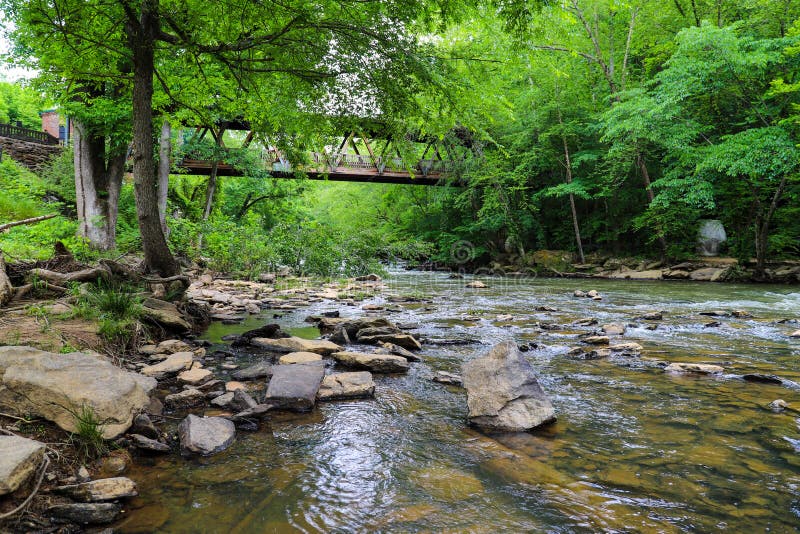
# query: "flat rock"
{"points": [[345, 330], [147, 444], [165, 313], [377, 363], [255, 371], [294, 387], [397, 350], [630, 348], [406, 341], [300, 357], [195, 377], [206, 435], [476, 284], [503, 393], [86, 513], [596, 340], [297, 344], [796, 333], [613, 329], [57, 386], [105, 489], [184, 399], [347, 386], [19, 459], [443, 377], [171, 346], [224, 400], [708, 274], [698, 368], [175, 363]]}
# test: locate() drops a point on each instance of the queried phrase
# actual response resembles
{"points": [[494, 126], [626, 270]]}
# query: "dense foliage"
{"points": [[601, 126]]}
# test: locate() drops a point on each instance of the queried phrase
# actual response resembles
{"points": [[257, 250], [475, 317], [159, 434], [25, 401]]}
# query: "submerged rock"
{"points": [[58, 386], [294, 387], [19, 459], [476, 284], [377, 363], [206, 435], [503, 393], [347, 386]]}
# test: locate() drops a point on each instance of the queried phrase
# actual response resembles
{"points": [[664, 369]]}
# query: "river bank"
{"points": [[293, 468], [561, 264]]}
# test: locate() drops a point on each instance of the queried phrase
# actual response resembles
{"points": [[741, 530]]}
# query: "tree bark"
{"points": [[98, 181], [141, 37], [6, 289], [650, 196], [164, 161], [210, 190], [763, 221], [568, 164]]}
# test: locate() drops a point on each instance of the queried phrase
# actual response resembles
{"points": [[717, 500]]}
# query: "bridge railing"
{"points": [[26, 134]]}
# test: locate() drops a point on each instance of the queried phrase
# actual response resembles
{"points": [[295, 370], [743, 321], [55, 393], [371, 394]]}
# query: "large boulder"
{"points": [[294, 387], [296, 344], [503, 393], [347, 386], [19, 458], [206, 435], [60, 387], [377, 363]]}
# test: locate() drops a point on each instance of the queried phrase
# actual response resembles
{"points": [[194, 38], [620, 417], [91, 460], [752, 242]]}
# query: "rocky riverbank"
{"points": [[178, 397], [558, 263]]}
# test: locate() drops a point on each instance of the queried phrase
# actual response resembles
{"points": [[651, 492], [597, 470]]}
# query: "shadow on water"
{"points": [[634, 449]]}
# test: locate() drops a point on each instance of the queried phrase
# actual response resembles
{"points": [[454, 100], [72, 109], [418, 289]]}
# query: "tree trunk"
{"points": [[650, 196], [763, 221], [568, 164], [141, 36], [6, 289], [164, 160], [210, 190], [98, 181]]}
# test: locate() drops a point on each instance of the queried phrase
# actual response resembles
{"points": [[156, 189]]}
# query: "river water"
{"points": [[635, 449]]}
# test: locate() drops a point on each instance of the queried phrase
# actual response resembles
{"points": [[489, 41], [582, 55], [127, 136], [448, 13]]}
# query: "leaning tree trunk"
{"points": [[142, 35], [98, 181], [763, 221], [650, 196], [164, 155]]}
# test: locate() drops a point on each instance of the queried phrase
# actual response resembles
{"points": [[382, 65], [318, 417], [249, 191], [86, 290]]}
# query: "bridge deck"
{"points": [[336, 174]]}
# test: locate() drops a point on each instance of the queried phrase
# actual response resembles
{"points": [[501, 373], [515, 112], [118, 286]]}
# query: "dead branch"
{"points": [[86, 275], [32, 220]]}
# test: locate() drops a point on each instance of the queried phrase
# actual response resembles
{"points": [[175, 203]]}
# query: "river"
{"points": [[634, 448]]}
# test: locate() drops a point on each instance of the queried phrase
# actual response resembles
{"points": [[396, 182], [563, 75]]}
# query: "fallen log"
{"points": [[32, 220], [86, 275]]}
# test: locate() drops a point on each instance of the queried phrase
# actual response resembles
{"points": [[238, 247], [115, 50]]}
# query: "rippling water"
{"points": [[634, 449]]}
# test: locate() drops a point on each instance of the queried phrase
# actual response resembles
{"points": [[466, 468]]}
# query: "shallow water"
{"points": [[634, 449]]}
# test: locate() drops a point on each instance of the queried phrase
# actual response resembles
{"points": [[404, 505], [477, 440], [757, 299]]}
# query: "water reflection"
{"points": [[634, 449]]}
